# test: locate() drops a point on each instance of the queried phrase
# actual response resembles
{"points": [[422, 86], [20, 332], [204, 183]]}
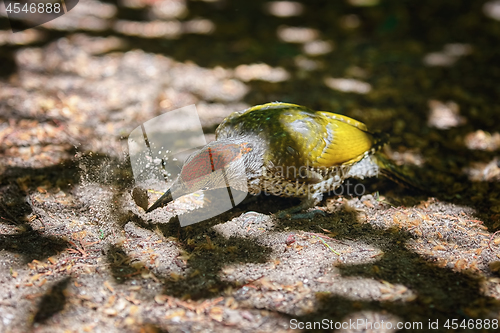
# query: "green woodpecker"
{"points": [[281, 149]]}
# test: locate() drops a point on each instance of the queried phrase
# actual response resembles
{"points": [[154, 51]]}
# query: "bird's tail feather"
{"points": [[398, 174]]}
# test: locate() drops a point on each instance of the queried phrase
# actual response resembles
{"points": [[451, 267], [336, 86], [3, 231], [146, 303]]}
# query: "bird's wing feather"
{"points": [[324, 139]]}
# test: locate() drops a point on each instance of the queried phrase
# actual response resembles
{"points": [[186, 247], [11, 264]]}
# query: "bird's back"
{"points": [[298, 136]]}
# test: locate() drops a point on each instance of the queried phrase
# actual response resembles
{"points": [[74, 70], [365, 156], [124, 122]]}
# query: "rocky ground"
{"points": [[78, 254]]}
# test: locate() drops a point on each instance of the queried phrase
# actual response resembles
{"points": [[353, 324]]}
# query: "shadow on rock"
{"points": [[52, 302]]}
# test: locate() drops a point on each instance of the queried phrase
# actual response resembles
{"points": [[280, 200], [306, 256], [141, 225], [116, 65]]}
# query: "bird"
{"points": [[284, 150]]}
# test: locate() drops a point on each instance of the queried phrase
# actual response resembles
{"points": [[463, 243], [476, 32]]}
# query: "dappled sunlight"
{"points": [[198, 26], [297, 34], [318, 47], [21, 38], [492, 9], [481, 140], [484, 171], [308, 37], [490, 287], [458, 242], [451, 236], [159, 9], [315, 266], [444, 115], [210, 84], [155, 29], [448, 55], [127, 83], [261, 72], [406, 156], [284, 8], [168, 9], [164, 29], [348, 85], [212, 113]]}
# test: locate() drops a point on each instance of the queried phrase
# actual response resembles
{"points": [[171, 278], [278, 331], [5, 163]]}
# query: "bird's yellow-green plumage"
{"points": [[299, 136]]}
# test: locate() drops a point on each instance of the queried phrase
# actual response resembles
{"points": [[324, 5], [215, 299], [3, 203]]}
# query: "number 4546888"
{"points": [[15, 7], [471, 324]]}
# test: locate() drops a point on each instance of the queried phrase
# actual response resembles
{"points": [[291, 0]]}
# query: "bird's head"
{"points": [[217, 165]]}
